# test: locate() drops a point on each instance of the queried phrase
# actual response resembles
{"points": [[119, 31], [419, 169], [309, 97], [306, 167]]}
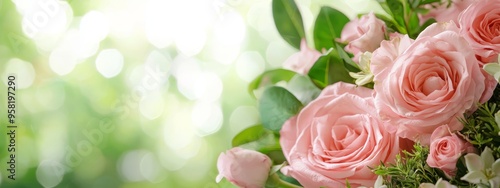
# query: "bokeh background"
{"points": [[135, 93]]}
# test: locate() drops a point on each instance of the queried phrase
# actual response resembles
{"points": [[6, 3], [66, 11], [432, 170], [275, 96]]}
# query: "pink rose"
{"points": [[363, 35], [336, 137], [431, 83], [384, 56], [244, 168], [444, 13], [445, 150], [302, 61], [480, 25]]}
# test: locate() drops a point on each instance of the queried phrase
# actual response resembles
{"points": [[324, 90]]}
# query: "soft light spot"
{"points": [[129, 165], [151, 105], [277, 52], [177, 131], [22, 70], [51, 96], [186, 71], [158, 19], [94, 26], [192, 41], [44, 18], [60, 62], [208, 86], [49, 173], [109, 62], [249, 65], [207, 118], [243, 117], [229, 34], [151, 169]]}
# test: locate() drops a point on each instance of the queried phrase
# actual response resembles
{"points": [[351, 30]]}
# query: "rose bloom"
{"points": [[244, 168], [431, 83], [336, 137], [445, 149], [444, 13], [302, 61], [480, 25], [383, 57], [363, 35]]}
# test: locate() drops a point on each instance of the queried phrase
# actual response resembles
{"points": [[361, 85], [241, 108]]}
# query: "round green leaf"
{"points": [[276, 106]]}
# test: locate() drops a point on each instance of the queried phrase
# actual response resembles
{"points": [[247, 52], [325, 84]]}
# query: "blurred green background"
{"points": [[134, 93]]}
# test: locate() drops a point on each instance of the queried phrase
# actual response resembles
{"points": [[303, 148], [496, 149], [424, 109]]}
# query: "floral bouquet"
{"points": [[404, 98]]}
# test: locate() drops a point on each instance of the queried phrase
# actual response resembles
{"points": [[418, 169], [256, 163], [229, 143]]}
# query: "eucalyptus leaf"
{"points": [[328, 27], [288, 21], [276, 106]]}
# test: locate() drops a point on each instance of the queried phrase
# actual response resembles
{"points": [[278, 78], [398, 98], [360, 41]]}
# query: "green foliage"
{"points": [[288, 21], [404, 15], [328, 27], [329, 69], [269, 78], [481, 129], [276, 106], [409, 170]]}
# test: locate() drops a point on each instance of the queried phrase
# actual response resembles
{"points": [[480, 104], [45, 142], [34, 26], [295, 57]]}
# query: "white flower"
{"points": [[365, 76], [493, 69], [439, 184], [483, 170]]}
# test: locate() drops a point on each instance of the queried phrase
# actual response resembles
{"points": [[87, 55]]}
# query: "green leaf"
{"points": [[276, 106], [328, 27], [398, 13], [250, 134], [414, 26], [329, 69], [348, 62], [396, 10], [270, 77], [288, 21]]}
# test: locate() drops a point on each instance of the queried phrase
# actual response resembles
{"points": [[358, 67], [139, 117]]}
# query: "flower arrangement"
{"points": [[407, 98]]}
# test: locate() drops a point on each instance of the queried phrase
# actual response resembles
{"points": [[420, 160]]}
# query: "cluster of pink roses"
{"points": [[422, 87]]}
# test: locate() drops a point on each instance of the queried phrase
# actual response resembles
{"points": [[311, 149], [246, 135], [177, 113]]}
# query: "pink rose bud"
{"points": [[244, 168], [445, 150], [363, 35]]}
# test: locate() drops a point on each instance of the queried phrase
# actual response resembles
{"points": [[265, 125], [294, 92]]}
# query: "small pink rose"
{"points": [[244, 168], [337, 136], [363, 35], [431, 83], [302, 61], [480, 25], [445, 149]]}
